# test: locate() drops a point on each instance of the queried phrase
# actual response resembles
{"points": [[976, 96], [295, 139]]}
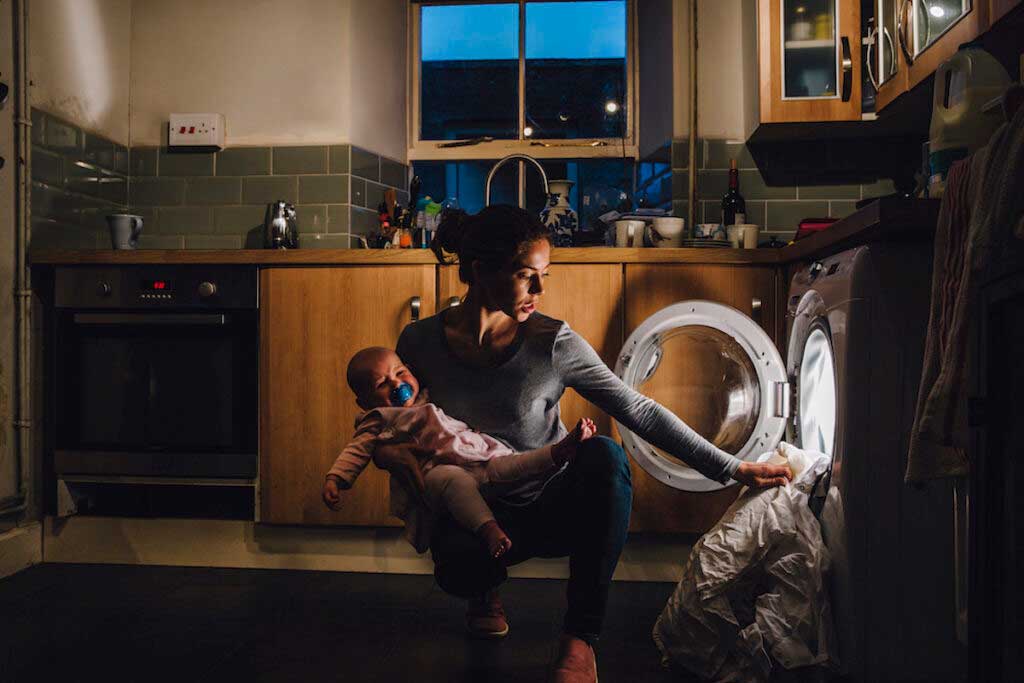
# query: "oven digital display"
{"points": [[162, 286]]}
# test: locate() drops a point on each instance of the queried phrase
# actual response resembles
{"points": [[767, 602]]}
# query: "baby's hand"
{"points": [[332, 494]]}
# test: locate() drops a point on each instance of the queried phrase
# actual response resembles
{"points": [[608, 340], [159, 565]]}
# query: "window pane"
{"points": [[469, 71], [465, 181], [576, 69]]}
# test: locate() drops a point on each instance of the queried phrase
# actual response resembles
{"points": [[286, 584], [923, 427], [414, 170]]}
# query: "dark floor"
{"points": [[117, 623]]}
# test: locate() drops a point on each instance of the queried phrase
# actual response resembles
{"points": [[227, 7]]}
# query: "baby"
{"points": [[460, 459]]}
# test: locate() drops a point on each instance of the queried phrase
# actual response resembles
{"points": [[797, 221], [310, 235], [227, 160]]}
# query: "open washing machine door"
{"points": [[719, 372], [812, 369]]}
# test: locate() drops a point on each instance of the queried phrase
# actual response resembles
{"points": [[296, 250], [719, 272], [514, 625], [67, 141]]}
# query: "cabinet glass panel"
{"points": [[809, 49], [932, 18], [885, 41]]}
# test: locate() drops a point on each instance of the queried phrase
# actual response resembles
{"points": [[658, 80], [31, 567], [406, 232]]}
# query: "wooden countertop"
{"points": [[884, 220]]}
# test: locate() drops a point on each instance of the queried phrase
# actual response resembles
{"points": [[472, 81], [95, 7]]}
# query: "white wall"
{"points": [[79, 55], [655, 57]]}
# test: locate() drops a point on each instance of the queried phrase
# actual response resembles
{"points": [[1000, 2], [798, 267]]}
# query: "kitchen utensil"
{"points": [[414, 194], [280, 226], [124, 230], [666, 231], [629, 233]]}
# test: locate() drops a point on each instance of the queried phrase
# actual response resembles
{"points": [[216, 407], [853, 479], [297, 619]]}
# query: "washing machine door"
{"points": [[812, 369], [719, 372]]}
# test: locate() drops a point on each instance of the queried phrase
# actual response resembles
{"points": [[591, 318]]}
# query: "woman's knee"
{"points": [[601, 457]]}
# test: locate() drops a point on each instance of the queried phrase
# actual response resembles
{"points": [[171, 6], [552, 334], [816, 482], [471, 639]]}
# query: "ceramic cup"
{"points": [[667, 231], [750, 235], [124, 230], [734, 233], [705, 230], [629, 233]]}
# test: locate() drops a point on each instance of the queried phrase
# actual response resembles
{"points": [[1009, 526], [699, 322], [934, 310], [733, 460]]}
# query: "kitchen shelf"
{"points": [[810, 44]]}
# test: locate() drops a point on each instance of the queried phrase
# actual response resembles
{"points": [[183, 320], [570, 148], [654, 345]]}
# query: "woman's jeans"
{"points": [[583, 512]]}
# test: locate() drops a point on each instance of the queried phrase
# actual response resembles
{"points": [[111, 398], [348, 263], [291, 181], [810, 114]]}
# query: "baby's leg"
{"points": [[531, 463], [458, 491]]}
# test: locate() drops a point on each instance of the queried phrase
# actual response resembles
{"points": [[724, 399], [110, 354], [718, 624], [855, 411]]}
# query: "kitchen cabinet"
{"points": [[932, 30], [649, 288], [999, 9], [809, 60], [311, 322], [887, 67]]}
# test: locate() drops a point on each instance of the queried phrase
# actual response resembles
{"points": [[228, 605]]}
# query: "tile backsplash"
{"points": [[201, 200]]}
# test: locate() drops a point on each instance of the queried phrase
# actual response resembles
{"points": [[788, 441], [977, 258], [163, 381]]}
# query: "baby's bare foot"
{"points": [[565, 450], [494, 537]]}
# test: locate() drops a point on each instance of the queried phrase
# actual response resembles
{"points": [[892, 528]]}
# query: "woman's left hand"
{"points": [[758, 475]]}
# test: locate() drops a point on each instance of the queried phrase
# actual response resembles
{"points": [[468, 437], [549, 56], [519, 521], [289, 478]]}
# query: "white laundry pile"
{"points": [[752, 597]]}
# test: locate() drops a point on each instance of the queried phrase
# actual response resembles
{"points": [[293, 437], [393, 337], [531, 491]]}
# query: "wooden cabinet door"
{"points": [[889, 64], [927, 60], [311, 322], [650, 288], [809, 60], [997, 9], [589, 298]]}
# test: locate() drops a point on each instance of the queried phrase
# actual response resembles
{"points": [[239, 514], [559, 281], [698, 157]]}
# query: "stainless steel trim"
{"points": [[150, 319], [847, 69], [893, 68], [454, 301], [872, 37], [501, 162], [756, 310], [166, 481], [782, 396], [414, 308], [901, 32]]}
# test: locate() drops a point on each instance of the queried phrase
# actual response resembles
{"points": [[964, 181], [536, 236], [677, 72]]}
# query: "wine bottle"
{"points": [[734, 209]]}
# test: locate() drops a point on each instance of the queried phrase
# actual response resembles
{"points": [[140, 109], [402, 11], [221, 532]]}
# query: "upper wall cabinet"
{"points": [[809, 60]]}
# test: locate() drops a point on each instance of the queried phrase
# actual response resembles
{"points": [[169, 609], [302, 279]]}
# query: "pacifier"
{"points": [[400, 394]]}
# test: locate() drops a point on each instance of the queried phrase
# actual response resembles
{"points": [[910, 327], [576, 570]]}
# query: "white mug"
{"points": [[667, 231], [124, 230], [750, 234], [629, 233], [735, 235]]}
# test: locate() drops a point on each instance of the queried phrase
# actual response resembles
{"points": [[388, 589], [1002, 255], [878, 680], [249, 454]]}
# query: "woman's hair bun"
{"points": [[449, 235]]}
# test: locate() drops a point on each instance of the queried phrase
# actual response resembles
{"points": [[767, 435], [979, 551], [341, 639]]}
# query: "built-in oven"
{"points": [[155, 378]]}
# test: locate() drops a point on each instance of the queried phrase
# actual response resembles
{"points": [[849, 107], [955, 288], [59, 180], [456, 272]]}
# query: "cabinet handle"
{"points": [[872, 37], [847, 70], [414, 308], [893, 66], [755, 310], [453, 301], [901, 31]]}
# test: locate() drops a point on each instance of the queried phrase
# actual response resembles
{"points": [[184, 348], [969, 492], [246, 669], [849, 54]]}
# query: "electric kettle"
{"points": [[280, 227]]}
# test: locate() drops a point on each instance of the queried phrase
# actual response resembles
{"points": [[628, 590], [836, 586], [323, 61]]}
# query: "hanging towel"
{"points": [[981, 219]]}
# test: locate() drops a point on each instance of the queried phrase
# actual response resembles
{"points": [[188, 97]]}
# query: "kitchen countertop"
{"points": [[888, 219]]}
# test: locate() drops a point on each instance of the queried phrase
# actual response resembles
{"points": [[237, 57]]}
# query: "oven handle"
{"points": [[151, 319]]}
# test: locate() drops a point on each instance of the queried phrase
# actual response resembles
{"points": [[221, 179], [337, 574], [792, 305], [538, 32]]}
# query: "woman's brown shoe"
{"points": [[485, 617], [576, 662]]}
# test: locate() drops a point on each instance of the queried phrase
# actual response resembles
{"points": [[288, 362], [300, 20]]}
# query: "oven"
{"points": [[155, 375]]}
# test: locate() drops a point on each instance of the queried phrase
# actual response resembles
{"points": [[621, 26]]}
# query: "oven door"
{"points": [[157, 393]]}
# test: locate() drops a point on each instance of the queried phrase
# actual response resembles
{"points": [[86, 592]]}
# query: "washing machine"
{"points": [[847, 387]]}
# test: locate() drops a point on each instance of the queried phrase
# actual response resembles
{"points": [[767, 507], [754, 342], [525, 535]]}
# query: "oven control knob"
{"points": [[207, 289], [104, 289]]}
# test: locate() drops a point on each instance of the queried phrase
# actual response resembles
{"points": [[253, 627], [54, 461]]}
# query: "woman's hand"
{"points": [[401, 462], [759, 475]]}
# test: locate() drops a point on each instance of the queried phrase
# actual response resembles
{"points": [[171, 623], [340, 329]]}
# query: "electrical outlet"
{"points": [[196, 130]]}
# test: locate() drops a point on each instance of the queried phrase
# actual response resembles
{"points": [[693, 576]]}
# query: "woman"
{"points": [[499, 366]]}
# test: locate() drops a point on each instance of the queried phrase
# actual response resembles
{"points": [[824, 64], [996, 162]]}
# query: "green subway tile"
{"points": [[358, 192], [122, 160], [712, 184], [339, 158], [238, 219], [185, 220], [393, 174], [114, 189], [337, 218], [829, 191], [719, 152], [257, 190], [148, 216], [374, 195], [681, 153], [787, 215], [752, 186], [298, 160], [311, 219], [241, 161], [711, 212], [46, 166], [213, 191], [47, 235], [365, 164], [363, 221], [143, 160], [213, 241], [841, 209], [99, 151], [680, 185], [156, 191], [62, 136], [323, 189], [879, 188], [253, 238], [325, 241], [185, 163], [756, 212], [147, 241], [38, 127]]}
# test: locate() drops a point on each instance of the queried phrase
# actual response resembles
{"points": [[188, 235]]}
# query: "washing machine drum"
{"points": [[719, 372]]}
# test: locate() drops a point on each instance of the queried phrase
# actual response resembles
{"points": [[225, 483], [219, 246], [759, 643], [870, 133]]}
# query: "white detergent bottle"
{"points": [[965, 109]]}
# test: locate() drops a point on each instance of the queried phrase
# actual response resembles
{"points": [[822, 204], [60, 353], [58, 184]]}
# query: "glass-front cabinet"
{"points": [[809, 60]]}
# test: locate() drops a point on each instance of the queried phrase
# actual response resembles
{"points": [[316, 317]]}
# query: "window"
{"points": [[550, 79]]}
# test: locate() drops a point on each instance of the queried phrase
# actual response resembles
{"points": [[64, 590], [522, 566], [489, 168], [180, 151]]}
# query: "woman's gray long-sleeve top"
{"points": [[517, 399]]}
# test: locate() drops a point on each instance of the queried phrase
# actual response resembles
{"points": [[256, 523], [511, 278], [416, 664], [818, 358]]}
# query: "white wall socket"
{"points": [[196, 130]]}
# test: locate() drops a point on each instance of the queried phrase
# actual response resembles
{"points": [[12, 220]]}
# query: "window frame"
{"points": [[552, 148]]}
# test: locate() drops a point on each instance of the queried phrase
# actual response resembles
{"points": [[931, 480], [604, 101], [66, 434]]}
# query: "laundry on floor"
{"points": [[753, 598]]}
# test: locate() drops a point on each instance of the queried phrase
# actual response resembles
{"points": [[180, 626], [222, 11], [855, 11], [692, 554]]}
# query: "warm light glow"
{"points": [[527, 132], [937, 11], [611, 106]]}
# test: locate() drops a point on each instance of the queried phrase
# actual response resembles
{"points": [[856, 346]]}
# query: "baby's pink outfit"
{"points": [[483, 459]]}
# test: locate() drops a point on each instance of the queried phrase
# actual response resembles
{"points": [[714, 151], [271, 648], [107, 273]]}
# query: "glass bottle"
{"points": [[734, 209]]}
